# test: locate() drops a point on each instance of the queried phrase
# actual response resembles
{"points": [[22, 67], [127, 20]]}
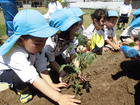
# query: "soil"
{"points": [[114, 81]]}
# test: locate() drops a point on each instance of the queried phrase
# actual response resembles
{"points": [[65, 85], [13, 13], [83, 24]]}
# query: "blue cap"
{"points": [[136, 12], [135, 23], [28, 22], [112, 13], [63, 20], [77, 11]]}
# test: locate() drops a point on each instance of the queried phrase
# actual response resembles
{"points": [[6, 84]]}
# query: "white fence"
{"points": [[99, 4]]}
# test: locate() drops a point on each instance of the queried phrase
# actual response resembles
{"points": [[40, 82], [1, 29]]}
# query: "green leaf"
{"points": [[63, 66], [132, 44]]}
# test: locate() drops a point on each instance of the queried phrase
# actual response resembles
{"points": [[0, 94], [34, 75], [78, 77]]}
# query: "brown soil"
{"points": [[114, 81]]}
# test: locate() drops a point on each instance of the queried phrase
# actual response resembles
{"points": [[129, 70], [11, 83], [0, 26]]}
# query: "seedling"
{"points": [[75, 78]]}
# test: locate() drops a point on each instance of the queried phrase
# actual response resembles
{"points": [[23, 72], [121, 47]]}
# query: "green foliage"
{"points": [[82, 40], [132, 44], [2, 30], [85, 59], [74, 77]]}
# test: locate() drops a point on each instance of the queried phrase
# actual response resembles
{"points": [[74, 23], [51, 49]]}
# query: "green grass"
{"points": [[2, 25]]}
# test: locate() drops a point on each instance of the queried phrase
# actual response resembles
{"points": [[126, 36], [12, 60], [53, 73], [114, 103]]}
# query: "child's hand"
{"points": [[58, 86], [68, 100], [116, 47]]}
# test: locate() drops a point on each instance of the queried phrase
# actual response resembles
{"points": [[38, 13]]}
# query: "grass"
{"points": [[43, 10], [2, 25]]}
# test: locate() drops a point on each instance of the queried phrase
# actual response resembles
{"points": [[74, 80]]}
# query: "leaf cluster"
{"points": [[82, 40], [73, 77]]}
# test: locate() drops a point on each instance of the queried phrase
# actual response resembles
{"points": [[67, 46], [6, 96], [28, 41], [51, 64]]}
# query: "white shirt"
{"points": [[55, 46], [52, 7], [125, 9], [90, 30], [25, 65], [109, 32], [130, 31]]}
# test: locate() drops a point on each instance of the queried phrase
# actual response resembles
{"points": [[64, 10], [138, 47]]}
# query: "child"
{"points": [[109, 30], [95, 31], [79, 13], [55, 46], [132, 32], [135, 26], [52, 7], [23, 61], [125, 11]]}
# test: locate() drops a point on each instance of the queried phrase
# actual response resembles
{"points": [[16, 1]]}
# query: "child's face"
{"points": [[33, 45], [99, 24], [111, 22], [74, 29]]}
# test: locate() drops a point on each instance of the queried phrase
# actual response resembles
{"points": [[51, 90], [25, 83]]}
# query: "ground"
{"points": [[114, 81]]}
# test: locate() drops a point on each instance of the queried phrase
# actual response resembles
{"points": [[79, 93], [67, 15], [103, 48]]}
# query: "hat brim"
{"points": [[136, 12], [44, 32], [135, 23], [68, 23], [8, 44]]}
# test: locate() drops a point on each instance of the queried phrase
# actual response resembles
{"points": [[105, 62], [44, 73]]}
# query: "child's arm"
{"points": [[115, 40], [116, 47], [46, 89], [45, 75]]}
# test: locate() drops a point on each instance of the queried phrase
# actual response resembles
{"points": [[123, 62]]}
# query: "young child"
{"points": [[125, 11], [52, 7], [55, 46], [135, 32], [95, 31], [109, 30], [23, 61], [132, 32]]}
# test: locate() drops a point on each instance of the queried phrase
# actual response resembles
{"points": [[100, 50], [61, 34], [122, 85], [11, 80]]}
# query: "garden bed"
{"points": [[114, 80]]}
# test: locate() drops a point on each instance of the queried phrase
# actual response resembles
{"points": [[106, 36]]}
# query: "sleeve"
{"points": [[49, 53], [113, 32], [135, 33], [41, 62], [71, 48], [126, 32], [22, 67], [105, 35], [49, 49]]}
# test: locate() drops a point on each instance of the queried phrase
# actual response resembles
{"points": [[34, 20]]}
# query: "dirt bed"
{"points": [[114, 81]]}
